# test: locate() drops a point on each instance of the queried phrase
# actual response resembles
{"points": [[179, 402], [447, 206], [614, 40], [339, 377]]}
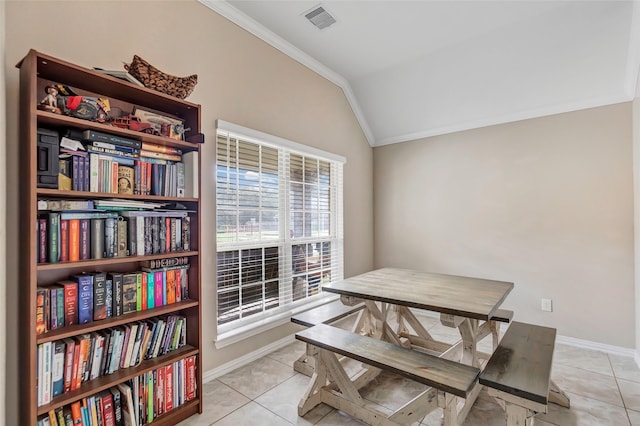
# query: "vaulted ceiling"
{"points": [[413, 69]]}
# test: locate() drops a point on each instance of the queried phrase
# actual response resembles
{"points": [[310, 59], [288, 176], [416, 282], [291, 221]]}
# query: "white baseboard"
{"points": [[228, 367], [259, 353]]}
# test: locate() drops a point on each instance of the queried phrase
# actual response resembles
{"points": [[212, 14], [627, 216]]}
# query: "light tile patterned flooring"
{"points": [[604, 390]]}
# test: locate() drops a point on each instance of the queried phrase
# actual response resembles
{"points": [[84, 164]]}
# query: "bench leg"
{"points": [[518, 416], [557, 396], [312, 396]]}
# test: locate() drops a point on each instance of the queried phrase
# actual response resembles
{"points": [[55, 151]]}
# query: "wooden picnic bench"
{"points": [[323, 314], [518, 374], [330, 384]]}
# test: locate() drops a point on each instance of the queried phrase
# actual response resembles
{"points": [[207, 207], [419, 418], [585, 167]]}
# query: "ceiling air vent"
{"points": [[320, 17]]}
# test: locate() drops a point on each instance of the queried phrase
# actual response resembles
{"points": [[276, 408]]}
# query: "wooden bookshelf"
{"points": [[37, 70]]}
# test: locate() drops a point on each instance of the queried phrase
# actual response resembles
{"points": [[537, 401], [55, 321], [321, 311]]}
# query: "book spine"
{"points": [[53, 309], [121, 246], [191, 378], [85, 250], [64, 240], [97, 238], [116, 278], [92, 135], [151, 297], [76, 173], [85, 298], [94, 169], [54, 233], [157, 281], [109, 297], [186, 233], [99, 296], [70, 302], [68, 364], [74, 239], [57, 370], [42, 240], [180, 179], [160, 148], [42, 294]]}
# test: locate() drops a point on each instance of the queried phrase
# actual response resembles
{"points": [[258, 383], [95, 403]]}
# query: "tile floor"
{"points": [[604, 390]]}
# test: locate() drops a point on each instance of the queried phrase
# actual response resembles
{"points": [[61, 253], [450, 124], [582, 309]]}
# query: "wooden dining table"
{"points": [[462, 302], [466, 303]]}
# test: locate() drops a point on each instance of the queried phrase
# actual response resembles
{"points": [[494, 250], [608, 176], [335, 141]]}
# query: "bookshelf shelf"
{"points": [[105, 382], [57, 120], [112, 261], [74, 330], [45, 192], [37, 71]]}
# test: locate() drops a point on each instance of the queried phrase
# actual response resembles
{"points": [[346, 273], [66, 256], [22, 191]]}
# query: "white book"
{"points": [[46, 373], [180, 179], [139, 235], [97, 357], [136, 344], [191, 174], [130, 344], [94, 171], [128, 413]]}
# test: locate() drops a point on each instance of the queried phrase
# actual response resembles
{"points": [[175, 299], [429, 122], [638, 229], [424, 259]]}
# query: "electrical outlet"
{"points": [[546, 305]]}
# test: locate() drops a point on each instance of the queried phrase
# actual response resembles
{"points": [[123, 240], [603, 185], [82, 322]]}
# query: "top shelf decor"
{"points": [[153, 78]]}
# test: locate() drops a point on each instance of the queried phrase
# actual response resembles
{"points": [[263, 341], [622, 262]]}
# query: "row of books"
{"points": [[71, 236], [88, 297], [137, 402], [112, 167], [63, 365]]}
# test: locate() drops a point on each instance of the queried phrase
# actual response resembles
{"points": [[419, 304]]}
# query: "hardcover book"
{"points": [[85, 250], [129, 292], [99, 296], [85, 297], [116, 278], [70, 289]]}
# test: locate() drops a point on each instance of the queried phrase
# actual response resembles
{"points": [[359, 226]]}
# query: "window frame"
{"points": [[236, 330]]}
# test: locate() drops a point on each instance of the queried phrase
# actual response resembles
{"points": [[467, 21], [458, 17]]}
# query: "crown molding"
{"points": [[249, 24]]}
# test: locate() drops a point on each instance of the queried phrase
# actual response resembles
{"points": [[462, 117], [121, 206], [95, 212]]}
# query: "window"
{"points": [[278, 225]]}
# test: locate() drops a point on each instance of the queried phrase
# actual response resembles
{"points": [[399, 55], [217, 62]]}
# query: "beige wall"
{"points": [[241, 80], [3, 219], [545, 203]]}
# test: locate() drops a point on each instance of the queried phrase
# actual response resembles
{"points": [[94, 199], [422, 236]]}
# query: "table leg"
{"points": [[469, 332]]}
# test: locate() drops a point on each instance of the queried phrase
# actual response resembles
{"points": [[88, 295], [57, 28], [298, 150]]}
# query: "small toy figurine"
{"points": [[50, 102]]}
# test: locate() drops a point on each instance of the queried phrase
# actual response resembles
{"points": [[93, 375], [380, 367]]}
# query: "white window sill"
{"points": [[239, 333]]}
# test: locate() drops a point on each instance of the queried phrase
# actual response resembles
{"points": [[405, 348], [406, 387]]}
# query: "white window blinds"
{"points": [[278, 224]]}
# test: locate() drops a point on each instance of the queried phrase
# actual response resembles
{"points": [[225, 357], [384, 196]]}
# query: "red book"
{"points": [[108, 416], [75, 384], [168, 388], [70, 301], [191, 378], [64, 240], [74, 240], [68, 363], [178, 282], [42, 240], [148, 179], [144, 292]]}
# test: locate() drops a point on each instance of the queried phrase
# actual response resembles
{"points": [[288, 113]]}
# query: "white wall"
{"points": [[546, 203]]}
